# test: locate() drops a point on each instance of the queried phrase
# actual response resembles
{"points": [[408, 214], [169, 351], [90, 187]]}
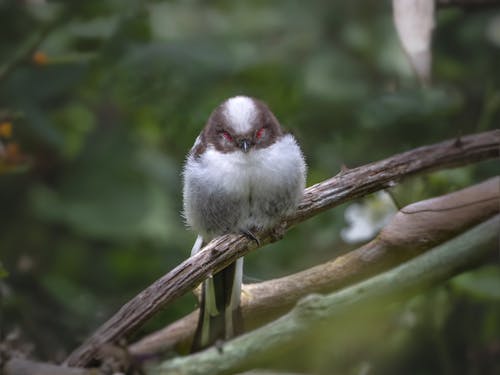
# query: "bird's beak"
{"points": [[245, 145]]}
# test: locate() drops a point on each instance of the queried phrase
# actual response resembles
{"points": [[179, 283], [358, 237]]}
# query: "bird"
{"points": [[243, 174]]}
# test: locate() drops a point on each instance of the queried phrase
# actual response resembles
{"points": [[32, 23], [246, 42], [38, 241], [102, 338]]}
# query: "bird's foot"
{"points": [[251, 236]]}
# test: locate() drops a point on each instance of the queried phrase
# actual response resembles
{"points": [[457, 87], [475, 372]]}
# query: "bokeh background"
{"points": [[101, 100]]}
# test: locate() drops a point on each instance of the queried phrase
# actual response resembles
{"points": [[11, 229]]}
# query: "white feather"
{"points": [[240, 112], [238, 172], [197, 245]]}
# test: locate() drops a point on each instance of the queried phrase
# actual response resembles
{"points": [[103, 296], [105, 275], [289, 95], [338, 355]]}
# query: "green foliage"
{"points": [[107, 97]]}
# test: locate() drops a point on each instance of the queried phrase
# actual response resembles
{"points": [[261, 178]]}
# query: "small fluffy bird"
{"points": [[243, 174]]}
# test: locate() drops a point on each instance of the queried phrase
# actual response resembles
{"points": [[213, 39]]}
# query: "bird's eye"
{"points": [[227, 136], [260, 133]]}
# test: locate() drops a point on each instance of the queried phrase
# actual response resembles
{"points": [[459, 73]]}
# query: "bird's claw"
{"points": [[251, 236]]}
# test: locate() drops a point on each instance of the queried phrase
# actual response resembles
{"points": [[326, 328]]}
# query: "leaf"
{"points": [[414, 21]]}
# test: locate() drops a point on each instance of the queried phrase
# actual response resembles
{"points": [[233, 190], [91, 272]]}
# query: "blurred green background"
{"points": [[101, 100]]}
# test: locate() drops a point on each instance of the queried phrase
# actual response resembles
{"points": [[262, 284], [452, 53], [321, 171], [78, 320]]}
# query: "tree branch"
{"points": [[413, 230], [224, 250], [435, 266]]}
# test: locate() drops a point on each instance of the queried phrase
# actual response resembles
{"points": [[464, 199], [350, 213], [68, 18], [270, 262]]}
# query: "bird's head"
{"points": [[241, 124]]}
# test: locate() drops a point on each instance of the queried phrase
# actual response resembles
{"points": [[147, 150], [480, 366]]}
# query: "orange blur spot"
{"points": [[40, 58], [6, 129]]}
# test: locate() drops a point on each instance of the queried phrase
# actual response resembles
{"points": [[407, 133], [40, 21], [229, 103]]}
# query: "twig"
{"points": [[437, 265], [220, 252]]}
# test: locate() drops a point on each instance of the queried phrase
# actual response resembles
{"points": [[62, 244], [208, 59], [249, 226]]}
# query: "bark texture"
{"points": [[347, 185], [412, 231]]}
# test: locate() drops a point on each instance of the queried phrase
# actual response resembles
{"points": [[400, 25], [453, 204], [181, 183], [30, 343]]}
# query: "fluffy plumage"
{"points": [[243, 173]]}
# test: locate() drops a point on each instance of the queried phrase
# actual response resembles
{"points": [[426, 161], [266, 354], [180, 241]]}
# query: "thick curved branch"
{"points": [[354, 183], [413, 230], [224, 250], [449, 259]]}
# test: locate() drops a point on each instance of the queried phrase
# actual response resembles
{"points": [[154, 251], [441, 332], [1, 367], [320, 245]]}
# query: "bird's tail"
{"points": [[220, 313]]}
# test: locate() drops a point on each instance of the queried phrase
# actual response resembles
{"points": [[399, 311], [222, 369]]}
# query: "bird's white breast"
{"points": [[256, 171], [228, 192]]}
